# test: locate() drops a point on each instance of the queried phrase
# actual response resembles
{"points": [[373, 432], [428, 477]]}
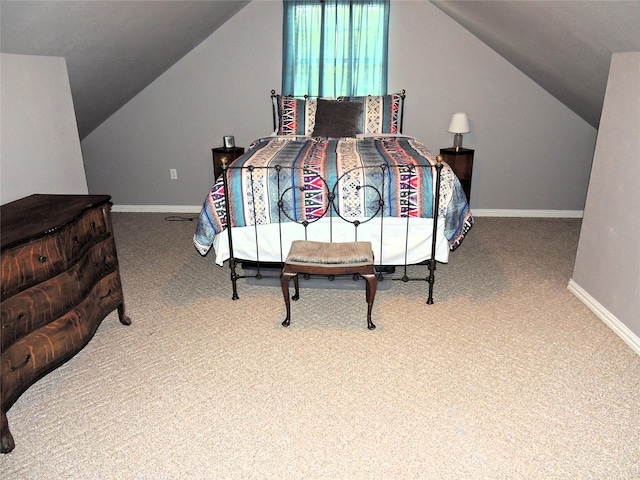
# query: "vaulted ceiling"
{"points": [[114, 49], [564, 46]]}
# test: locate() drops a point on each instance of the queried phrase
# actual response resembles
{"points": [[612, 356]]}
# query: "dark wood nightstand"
{"points": [[461, 162], [231, 154]]}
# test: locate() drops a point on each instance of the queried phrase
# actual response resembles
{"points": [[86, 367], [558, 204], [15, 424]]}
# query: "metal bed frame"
{"points": [[331, 212]]}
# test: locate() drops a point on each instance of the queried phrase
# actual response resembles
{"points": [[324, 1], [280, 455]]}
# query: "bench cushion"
{"points": [[330, 253]]}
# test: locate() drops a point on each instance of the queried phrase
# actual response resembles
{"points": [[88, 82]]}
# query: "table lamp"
{"points": [[459, 125]]}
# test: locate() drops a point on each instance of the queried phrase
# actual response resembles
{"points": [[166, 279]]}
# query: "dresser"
{"points": [[60, 279]]}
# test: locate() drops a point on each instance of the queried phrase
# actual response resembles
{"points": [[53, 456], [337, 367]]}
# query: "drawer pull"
{"points": [[106, 295], [43, 258], [104, 261], [93, 224], [23, 364], [11, 324], [76, 240]]}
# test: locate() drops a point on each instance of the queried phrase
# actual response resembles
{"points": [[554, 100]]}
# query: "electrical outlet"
{"points": [[173, 173]]}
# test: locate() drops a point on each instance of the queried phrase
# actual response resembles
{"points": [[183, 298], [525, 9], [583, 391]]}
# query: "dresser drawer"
{"points": [[42, 350], [32, 308], [30, 264], [89, 228], [36, 354]]}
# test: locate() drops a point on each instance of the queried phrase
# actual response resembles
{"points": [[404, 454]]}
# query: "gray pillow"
{"points": [[336, 119]]}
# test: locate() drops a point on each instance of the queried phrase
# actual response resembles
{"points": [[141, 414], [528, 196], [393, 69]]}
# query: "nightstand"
{"points": [[461, 162], [218, 153]]}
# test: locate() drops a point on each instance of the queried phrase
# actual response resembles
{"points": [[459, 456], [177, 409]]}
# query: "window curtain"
{"points": [[333, 48]]}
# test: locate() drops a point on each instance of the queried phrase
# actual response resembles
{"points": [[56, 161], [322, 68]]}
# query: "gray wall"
{"points": [[220, 88], [532, 153], [40, 150], [607, 269]]}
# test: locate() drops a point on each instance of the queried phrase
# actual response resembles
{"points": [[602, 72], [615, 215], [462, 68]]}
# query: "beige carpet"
{"points": [[506, 376]]}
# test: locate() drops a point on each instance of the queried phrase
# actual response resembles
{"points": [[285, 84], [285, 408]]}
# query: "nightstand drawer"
{"points": [[219, 153]]}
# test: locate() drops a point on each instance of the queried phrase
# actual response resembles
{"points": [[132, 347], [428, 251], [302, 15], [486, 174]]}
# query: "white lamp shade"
{"points": [[459, 123]]}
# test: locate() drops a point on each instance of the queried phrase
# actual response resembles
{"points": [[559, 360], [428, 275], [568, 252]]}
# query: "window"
{"points": [[333, 48]]}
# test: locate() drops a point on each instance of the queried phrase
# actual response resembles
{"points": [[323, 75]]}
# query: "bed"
{"points": [[335, 170]]}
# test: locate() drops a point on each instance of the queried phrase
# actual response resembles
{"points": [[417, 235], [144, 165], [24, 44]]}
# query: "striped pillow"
{"points": [[380, 114], [296, 116]]}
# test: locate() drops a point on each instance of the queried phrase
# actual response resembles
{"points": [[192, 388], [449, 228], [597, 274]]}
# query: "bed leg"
{"points": [[431, 280], [232, 261], [234, 279], [436, 210]]}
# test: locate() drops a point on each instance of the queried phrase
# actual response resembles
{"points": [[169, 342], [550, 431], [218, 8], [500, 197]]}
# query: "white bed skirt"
{"points": [[394, 240]]}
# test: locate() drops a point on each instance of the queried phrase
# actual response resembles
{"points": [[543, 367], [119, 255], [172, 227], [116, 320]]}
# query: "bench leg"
{"points": [[296, 284], [372, 286], [285, 278]]}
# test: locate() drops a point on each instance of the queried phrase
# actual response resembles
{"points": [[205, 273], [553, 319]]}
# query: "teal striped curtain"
{"points": [[335, 48]]}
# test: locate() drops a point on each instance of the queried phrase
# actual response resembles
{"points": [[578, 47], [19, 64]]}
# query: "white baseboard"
{"points": [[607, 317], [157, 208], [481, 212], [488, 212]]}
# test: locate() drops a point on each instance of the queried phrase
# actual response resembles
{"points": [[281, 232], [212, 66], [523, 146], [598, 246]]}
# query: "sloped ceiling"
{"points": [[114, 49], [564, 46]]}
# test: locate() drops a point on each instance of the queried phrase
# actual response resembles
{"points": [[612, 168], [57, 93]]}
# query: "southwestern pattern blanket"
{"points": [[282, 179]]}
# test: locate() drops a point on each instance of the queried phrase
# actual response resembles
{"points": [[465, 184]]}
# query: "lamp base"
{"points": [[457, 141]]}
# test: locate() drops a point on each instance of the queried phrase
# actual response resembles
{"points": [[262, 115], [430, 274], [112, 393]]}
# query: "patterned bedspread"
{"points": [[358, 172]]}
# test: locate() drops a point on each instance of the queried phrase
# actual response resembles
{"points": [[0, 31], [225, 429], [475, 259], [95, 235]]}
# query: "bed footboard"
{"points": [[324, 219]]}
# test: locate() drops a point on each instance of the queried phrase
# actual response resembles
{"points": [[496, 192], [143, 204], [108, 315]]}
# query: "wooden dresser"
{"points": [[60, 279]]}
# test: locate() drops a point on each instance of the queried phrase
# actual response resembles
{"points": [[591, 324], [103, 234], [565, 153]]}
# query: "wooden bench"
{"points": [[327, 258]]}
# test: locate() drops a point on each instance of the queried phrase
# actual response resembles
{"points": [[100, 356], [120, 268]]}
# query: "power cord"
{"points": [[177, 218]]}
